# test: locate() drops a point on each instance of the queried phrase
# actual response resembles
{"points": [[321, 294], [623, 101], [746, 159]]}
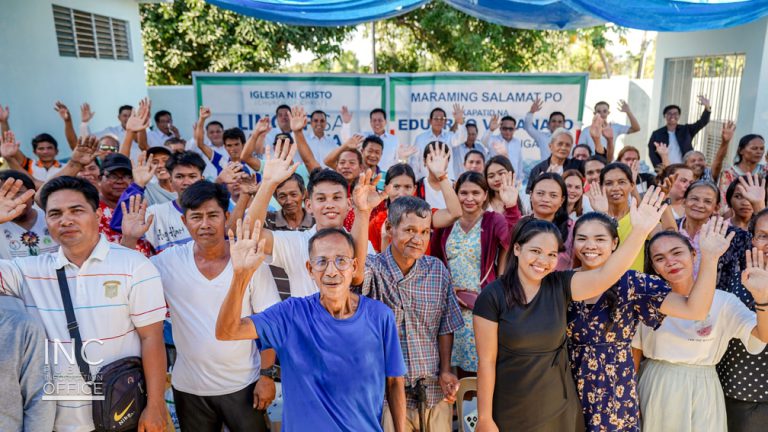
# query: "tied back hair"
{"points": [[526, 229], [658, 236], [561, 218], [611, 297]]}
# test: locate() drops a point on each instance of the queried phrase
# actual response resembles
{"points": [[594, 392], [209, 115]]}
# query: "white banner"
{"points": [[242, 99], [413, 96]]}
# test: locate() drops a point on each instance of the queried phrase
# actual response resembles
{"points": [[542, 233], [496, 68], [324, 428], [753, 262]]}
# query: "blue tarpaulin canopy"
{"points": [[656, 15]]}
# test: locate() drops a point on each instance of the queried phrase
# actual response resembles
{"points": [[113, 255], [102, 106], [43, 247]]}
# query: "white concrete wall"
{"points": [[33, 75], [750, 39], [180, 102]]}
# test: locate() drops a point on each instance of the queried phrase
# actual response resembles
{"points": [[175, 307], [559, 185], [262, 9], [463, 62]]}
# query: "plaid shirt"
{"points": [[425, 307]]}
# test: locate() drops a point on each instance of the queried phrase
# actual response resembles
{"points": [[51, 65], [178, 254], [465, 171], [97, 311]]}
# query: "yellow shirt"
{"points": [[625, 226]]}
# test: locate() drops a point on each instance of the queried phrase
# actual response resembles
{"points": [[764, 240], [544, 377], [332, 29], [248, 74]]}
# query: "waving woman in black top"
{"points": [[520, 323]]}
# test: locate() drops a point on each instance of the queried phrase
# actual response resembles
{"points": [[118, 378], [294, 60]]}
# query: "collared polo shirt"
{"points": [[40, 172], [115, 291]]}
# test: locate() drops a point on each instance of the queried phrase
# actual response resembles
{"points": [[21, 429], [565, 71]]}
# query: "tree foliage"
{"points": [[191, 35]]}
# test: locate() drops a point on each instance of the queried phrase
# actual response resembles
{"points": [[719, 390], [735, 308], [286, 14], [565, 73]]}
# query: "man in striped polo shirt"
{"points": [[116, 293]]}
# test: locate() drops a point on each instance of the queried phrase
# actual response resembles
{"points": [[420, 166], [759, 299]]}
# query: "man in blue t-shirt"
{"points": [[339, 351]]}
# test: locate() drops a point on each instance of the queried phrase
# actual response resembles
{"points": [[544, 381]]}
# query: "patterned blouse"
{"points": [[599, 345]]}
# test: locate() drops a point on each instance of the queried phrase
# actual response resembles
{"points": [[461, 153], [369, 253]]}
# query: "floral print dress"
{"points": [[462, 250], [599, 346]]}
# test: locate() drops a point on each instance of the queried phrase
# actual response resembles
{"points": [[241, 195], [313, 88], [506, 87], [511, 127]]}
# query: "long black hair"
{"points": [[658, 236], [526, 229], [498, 160], [561, 215], [611, 296]]}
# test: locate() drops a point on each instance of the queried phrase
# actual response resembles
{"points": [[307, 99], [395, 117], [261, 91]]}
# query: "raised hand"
{"points": [[5, 113], [143, 170], [404, 151], [86, 115], [62, 109], [85, 151], [298, 118], [248, 184], [536, 106], [752, 187], [280, 166], [139, 119], [12, 204], [135, 224], [646, 215], [597, 198], [354, 142], [494, 124], [346, 116], [755, 277], [437, 160], [365, 196], [661, 148], [607, 131], [174, 130], [596, 128], [500, 148], [205, 113], [729, 128], [9, 147], [246, 249], [231, 173], [624, 106], [509, 190], [714, 238], [666, 186], [458, 113], [703, 100], [635, 168], [262, 127]]}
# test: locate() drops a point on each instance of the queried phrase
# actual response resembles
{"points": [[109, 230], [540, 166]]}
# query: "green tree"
{"points": [[191, 35]]}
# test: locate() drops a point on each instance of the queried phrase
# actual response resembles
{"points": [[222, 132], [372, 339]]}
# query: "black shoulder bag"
{"points": [[120, 382]]}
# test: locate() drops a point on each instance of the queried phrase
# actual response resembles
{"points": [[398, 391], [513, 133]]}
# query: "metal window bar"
{"points": [[717, 77]]}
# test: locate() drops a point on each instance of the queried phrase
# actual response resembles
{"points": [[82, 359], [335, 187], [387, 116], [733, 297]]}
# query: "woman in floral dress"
{"points": [[600, 329], [472, 249]]}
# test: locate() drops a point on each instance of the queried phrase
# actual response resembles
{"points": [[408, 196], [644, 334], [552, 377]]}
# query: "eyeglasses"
{"points": [[341, 263]]}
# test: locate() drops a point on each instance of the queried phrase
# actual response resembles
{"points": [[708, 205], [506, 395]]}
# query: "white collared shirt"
{"points": [[321, 147], [452, 139], [115, 291], [156, 138], [541, 137], [206, 366], [388, 154], [514, 150]]}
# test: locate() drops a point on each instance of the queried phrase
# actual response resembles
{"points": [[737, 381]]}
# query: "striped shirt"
{"points": [[114, 292]]}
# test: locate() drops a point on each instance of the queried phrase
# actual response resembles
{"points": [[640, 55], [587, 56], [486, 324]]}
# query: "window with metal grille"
{"points": [[83, 34], [718, 78]]}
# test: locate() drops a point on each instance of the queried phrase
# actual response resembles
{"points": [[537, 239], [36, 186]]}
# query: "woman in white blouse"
{"points": [[679, 389]]}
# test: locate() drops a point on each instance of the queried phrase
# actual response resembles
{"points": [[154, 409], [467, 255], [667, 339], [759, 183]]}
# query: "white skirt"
{"points": [[681, 398]]}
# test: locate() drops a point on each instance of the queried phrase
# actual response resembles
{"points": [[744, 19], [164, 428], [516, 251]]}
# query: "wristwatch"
{"points": [[271, 372]]}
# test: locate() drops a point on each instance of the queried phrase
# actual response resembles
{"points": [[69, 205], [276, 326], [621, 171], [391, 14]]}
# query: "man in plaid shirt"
{"points": [[418, 289]]}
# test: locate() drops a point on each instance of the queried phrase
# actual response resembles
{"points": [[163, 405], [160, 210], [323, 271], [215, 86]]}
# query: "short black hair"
{"points": [[77, 184], [432, 113], [201, 191], [44, 137], [327, 232], [187, 158], [602, 103], [372, 139], [234, 133], [671, 107], [471, 124], [283, 106], [509, 118], [377, 110], [123, 108], [318, 112], [326, 175], [162, 113], [214, 123], [596, 157], [294, 177], [17, 175], [582, 145], [556, 113], [474, 152], [354, 151]]}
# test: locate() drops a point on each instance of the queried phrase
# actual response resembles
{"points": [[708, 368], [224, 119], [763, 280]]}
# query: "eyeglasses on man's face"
{"points": [[319, 264]]}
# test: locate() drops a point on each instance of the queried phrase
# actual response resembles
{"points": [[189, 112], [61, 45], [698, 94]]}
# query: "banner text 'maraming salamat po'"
{"points": [[413, 96]]}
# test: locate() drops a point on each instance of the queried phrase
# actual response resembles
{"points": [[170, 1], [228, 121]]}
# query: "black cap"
{"points": [[115, 161], [158, 150]]}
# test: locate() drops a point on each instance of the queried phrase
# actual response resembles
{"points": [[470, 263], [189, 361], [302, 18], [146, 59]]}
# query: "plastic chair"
{"points": [[466, 385]]}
